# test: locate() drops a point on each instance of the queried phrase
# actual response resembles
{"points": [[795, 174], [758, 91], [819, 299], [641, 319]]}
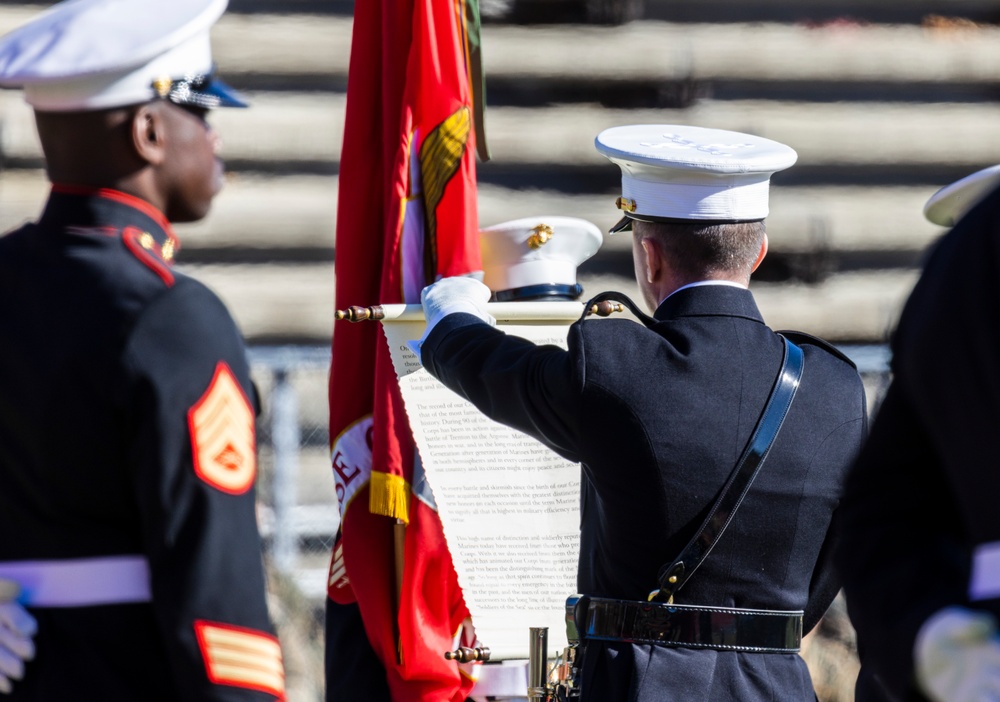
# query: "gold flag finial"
{"points": [[361, 314]]}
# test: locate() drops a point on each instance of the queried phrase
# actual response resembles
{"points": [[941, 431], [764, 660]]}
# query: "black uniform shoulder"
{"points": [[610, 333], [134, 255], [801, 338], [189, 313]]}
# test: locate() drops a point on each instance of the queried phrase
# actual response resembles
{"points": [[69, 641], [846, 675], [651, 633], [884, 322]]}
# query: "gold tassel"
{"points": [[389, 495]]}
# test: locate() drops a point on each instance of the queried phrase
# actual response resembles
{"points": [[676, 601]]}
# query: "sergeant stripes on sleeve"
{"points": [[241, 657]]}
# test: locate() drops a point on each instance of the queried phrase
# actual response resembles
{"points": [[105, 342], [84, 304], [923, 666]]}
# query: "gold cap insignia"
{"points": [[625, 203], [146, 241], [168, 250], [162, 86], [540, 235]]}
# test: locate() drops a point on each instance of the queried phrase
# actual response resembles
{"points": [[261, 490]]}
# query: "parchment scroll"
{"points": [[510, 507]]}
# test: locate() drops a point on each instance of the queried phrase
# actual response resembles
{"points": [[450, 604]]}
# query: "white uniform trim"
{"points": [[507, 680], [984, 584], [80, 582]]}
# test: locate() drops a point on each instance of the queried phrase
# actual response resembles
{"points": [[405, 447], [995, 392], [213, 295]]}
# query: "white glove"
{"points": [[17, 628], [957, 656], [451, 295]]}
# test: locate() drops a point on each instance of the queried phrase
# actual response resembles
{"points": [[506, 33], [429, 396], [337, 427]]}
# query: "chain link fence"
{"points": [[297, 504]]}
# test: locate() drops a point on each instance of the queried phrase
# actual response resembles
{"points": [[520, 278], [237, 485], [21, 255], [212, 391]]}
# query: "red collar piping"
{"points": [[123, 198]]}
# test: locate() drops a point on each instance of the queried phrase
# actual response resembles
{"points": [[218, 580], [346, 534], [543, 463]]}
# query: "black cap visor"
{"points": [[625, 223], [204, 91], [541, 291]]}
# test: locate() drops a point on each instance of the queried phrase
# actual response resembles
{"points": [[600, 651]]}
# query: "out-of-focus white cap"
{"points": [[99, 54], [680, 173], [950, 203], [537, 257]]}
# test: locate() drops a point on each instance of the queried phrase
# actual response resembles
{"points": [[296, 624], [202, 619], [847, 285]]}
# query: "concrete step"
{"points": [[847, 308], [262, 219], [819, 11], [710, 50], [295, 303], [852, 142], [281, 303], [854, 136], [316, 48], [895, 11], [256, 217]]}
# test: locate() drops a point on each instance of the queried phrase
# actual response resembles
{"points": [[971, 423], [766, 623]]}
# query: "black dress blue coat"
{"points": [[657, 418], [923, 494], [104, 351]]}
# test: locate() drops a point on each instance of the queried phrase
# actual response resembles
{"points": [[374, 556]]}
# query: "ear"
{"points": [[653, 259], [761, 254], [149, 134]]}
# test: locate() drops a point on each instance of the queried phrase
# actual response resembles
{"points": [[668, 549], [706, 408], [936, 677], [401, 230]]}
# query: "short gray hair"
{"points": [[701, 249]]}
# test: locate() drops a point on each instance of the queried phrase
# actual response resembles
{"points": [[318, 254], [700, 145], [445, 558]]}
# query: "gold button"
{"points": [[162, 86], [625, 203]]}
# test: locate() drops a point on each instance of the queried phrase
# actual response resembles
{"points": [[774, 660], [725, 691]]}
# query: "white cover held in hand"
{"points": [[957, 656], [452, 295], [17, 628]]}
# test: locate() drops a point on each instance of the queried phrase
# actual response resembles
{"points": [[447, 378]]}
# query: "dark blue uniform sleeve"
{"points": [[535, 389], [194, 452]]}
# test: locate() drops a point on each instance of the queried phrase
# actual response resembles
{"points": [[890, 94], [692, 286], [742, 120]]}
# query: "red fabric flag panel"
{"points": [[406, 216]]}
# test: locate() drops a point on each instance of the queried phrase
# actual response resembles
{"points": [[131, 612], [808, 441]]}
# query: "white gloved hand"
{"points": [[451, 295], [957, 656], [17, 628]]}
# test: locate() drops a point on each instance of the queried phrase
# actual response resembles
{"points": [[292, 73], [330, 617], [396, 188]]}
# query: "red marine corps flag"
{"points": [[406, 216]]}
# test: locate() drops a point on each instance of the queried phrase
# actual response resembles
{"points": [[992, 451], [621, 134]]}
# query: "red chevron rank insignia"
{"points": [[223, 435], [241, 657]]}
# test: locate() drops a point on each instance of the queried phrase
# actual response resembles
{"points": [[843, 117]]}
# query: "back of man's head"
{"points": [[707, 250]]}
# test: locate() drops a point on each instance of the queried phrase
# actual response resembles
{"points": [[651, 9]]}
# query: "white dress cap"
{"points": [[676, 172], [98, 54], [950, 203], [537, 257]]}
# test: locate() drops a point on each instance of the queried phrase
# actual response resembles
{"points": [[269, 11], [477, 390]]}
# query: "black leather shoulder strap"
{"points": [[797, 337], [672, 577]]}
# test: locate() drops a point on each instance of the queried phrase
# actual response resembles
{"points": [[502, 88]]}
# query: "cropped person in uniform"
{"points": [[659, 413], [921, 532], [127, 441]]}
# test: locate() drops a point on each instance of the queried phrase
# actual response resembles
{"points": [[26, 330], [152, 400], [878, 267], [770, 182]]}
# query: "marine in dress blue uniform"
{"points": [[657, 417], [921, 545], [127, 445]]}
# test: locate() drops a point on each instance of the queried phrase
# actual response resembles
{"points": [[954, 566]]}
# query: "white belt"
{"points": [[80, 582], [507, 680], [984, 583]]}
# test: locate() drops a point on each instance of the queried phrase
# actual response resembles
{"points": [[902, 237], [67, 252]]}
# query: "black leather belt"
{"points": [[721, 628]]}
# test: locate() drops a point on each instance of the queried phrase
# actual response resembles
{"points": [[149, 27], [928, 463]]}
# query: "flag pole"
{"points": [[501, 311]]}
